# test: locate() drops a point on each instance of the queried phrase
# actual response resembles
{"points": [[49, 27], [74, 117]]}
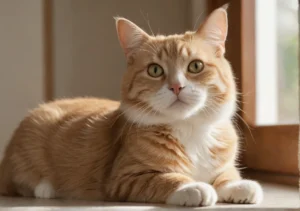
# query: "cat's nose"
{"points": [[176, 88]]}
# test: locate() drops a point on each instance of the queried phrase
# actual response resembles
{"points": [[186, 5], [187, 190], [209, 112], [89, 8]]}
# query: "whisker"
{"points": [[248, 127], [147, 21], [196, 23], [141, 116], [213, 106], [152, 47], [123, 112]]}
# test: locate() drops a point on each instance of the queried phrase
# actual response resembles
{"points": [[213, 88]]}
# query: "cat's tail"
{"points": [[6, 183]]}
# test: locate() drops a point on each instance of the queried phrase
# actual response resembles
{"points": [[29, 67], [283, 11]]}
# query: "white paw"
{"points": [[44, 190], [193, 194], [241, 192]]}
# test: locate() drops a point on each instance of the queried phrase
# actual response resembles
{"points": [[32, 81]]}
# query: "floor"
{"points": [[277, 197]]}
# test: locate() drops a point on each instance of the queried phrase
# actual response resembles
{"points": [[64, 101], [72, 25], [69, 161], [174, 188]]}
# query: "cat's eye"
{"points": [[195, 66], [155, 71]]}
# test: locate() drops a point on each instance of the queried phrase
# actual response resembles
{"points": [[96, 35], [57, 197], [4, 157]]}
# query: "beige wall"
{"points": [[87, 56], [21, 62], [88, 59]]}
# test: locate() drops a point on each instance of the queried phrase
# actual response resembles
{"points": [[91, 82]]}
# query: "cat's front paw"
{"points": [[193, 194], [241, 192]]}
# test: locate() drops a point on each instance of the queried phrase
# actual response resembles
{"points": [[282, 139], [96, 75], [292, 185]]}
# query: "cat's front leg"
{"points": [[169, 188], [232, 189]]}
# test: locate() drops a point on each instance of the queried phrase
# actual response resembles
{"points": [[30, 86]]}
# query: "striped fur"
{"points": [[153, 146]]}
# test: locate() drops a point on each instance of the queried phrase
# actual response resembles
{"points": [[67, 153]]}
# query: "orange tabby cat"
{"points": [[171, 140]]}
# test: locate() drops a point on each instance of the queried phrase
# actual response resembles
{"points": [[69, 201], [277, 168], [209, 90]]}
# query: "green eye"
{"points": [[155, 71], [195, 66]]}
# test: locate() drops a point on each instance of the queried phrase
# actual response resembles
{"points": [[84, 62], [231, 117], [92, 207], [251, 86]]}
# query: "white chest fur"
{"points": [[198, 140]]}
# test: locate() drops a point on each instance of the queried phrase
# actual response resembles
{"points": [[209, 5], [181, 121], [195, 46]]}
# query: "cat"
{"points": [[170, 140]]}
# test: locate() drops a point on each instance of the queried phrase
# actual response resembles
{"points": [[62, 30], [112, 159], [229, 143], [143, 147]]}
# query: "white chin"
{"points": [[180, 110]]}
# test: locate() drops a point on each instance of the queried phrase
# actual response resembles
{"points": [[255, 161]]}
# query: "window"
{"points": [[262, 47], [276, 24], [269, 77]]}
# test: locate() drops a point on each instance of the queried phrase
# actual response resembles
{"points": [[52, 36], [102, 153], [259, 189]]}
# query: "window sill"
{"points": [[276, 197]]}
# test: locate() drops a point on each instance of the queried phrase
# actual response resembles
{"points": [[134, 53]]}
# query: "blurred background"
{"points": [[65, 48], [277, 64]]}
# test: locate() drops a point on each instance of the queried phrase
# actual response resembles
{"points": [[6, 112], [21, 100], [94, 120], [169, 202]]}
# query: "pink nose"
{"points": [[176, 88]]}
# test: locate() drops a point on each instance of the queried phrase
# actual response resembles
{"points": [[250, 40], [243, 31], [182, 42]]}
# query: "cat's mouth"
{"points": [[178, 102]]}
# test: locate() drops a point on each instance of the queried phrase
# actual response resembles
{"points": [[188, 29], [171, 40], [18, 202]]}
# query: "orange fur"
{"points": [[230, 174], [95, 149]]}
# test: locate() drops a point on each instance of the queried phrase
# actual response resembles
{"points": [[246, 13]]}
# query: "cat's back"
{"points": [[67, 122], [79, 106], [54, 139], [57, 117], [64, 110]]}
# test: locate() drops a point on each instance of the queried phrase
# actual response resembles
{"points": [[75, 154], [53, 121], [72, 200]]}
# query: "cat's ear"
{"points": [[215, 27], [130, 35]]}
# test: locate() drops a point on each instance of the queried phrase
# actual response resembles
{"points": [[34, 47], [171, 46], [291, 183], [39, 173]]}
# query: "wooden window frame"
{"points": [[272, 149], [48, 50], [275, 148]]}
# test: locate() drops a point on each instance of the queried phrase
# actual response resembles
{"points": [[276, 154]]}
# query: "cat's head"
{"points": [[176, 77]]}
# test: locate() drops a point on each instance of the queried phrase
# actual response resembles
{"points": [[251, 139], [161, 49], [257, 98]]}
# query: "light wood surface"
{"points": [[272, 148], [276, 197]]}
